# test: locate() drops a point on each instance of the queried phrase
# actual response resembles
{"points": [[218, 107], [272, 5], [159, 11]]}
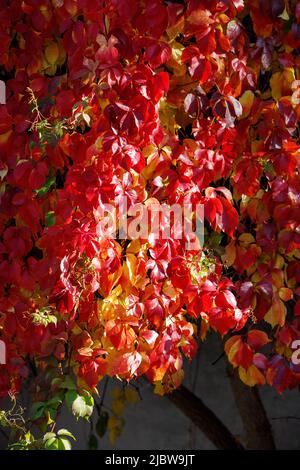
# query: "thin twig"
{"points": [[218, 359], [101, 404]]}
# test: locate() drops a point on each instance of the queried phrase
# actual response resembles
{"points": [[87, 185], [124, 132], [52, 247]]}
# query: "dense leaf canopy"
{"points": [[186, 102]]}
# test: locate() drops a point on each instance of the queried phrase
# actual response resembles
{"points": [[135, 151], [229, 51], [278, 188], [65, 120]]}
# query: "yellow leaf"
{"points": [[232, 347], [152, 157], [230, 343], [4, 137], [246, 239], [246, 101], [230, 254], [113, 436], [159, 373], [277, 278], [279, 263], [167, 116], [281, 83], [276, 314], [52, 53], [159, 389], [175, 60], [114, 426], [118, 407], [284, 15], [204, 327], [251, 376], [76, 330], [25, 293], [116, 393], [256, 277], [130, 267], [131, 395], [169, 290], [176, 29], [257, 146]]}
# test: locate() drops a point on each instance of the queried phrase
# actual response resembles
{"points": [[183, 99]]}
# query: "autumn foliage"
{"points": [[156, 101]]}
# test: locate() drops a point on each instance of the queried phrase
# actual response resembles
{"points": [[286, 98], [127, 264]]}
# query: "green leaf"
{"points": [[71, 395], [50, 219], [64, 383], [215, 239], [92, 442], [65, 432], [88, 399], [37, 410], [44, 189], [43, 317], [54, 402], [101, 425], [81, 405], [52, 444], [64, 444], [49, 443], [59, 441], [48, 435], [68, 383], [56, 382], [17, 446]]}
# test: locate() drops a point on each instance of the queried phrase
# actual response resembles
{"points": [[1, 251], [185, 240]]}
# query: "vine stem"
{"points": [[204, 419], [100, 405]]}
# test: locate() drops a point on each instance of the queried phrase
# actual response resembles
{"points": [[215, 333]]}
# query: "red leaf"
{"points": [[127, 364]]}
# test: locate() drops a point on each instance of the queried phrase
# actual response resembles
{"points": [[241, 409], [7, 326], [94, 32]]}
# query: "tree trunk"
{"points": [[256, 424], [194, 408]]}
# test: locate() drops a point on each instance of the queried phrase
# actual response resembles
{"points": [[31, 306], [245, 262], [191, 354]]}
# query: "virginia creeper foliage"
{"points": [[157, 101]]}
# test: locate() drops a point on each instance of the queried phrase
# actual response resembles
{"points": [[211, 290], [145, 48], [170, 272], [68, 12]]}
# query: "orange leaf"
{"points": [[256, 339], [251, 376], [285, 293]]}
